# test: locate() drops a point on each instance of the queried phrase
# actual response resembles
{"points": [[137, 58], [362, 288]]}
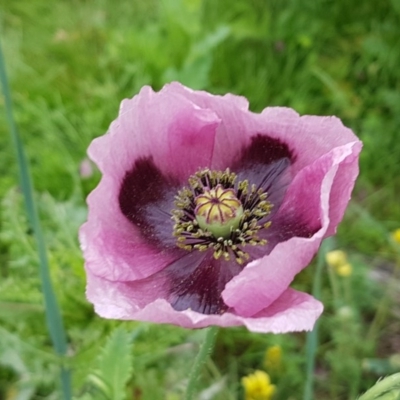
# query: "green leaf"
{"points": [[386, 389], [115, 365]]}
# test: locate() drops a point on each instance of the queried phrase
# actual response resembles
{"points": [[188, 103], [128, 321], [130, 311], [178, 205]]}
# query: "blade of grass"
{"points": [[53, 315], [204, 352], [312, 337]]}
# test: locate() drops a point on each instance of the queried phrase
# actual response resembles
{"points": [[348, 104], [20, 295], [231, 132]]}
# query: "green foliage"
{"points": [[114, 366], [27, 368], [386, 389]]}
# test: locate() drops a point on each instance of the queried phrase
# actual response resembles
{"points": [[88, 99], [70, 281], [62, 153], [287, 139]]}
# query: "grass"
{"points": [[71, 62]]}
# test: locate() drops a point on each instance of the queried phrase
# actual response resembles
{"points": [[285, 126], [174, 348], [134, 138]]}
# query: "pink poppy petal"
{"points": [[236, 127], [309, 136], [112, 246], [292, 311], [263, 280], [158, 125], [207, 100], [117, 256], [342, 188]]}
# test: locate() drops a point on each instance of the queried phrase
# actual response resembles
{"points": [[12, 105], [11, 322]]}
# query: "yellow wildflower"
{"points": [[257, 386], [344, 270], [337, 259], [273, 358], [396, 235]]}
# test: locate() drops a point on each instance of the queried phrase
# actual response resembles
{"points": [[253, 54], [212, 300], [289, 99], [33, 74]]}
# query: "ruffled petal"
{"points": [[292, 311], [157, 128], [207, 100], [306, 203], [342, 187], [158, 125], [310, 137], [237, 125]]}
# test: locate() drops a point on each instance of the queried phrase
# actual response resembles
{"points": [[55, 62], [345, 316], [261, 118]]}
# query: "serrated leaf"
{"points": [[115, 363]]}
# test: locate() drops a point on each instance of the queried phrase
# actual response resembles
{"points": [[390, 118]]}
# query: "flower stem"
{"points": [[199, 361], [312, 337], [382, 387]]}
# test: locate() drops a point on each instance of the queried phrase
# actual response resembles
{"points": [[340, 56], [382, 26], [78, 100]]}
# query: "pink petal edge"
{"points": [[264, 280], [292, 311]]}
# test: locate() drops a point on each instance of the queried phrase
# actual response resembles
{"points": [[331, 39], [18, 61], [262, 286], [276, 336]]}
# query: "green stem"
{"points": [[333, 280], [199, 361], [382, 387], [53, 315], [312, 337]]}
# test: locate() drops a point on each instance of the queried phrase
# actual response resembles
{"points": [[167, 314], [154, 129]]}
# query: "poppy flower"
{"points": [[206, 211]]}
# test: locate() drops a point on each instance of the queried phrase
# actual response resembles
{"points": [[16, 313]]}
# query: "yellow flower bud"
{"points": [[344, 270], [273, 358], [336, 258]]}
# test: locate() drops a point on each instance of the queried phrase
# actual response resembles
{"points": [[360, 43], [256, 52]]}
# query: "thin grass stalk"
{"points": [[199, 361], [52, 311], [312, 337]]}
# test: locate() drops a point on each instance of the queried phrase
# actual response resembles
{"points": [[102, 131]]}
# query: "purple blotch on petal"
{"points": [[266, 163], [273, 179], [197, 281], [146, 199], [265, 150]]}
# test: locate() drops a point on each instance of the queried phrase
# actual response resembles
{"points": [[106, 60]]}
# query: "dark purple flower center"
{"points": [[217, 213]]}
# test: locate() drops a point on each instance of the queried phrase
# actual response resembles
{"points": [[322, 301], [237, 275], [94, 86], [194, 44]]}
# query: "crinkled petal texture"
{"points": [[307, 164]]}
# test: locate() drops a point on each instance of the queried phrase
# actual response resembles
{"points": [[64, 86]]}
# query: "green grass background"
{"points": [[71, 62]]}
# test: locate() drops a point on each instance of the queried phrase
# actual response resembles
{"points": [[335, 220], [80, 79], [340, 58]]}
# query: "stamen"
{"points": [[217, 213]]}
